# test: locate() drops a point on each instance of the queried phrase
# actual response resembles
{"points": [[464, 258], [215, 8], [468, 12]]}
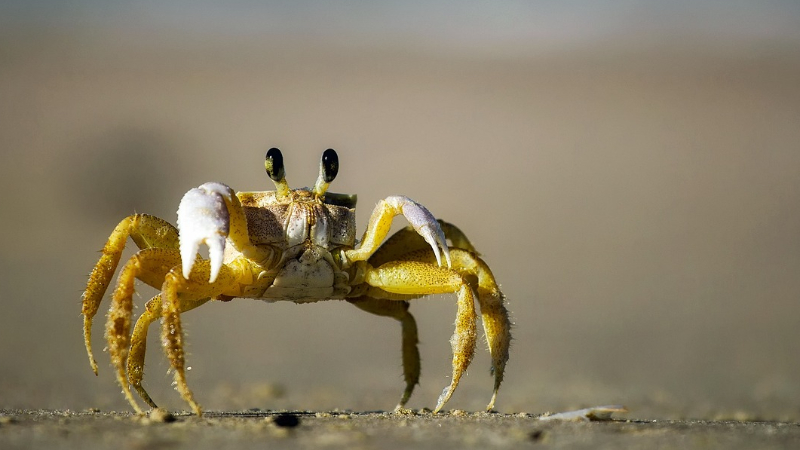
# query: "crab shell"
{"points": [[308, 233]]}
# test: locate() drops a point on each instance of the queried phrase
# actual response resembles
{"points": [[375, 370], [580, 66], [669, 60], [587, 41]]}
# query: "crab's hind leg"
{"points": [[420, 278], [398, 310], [135, 364], [407, 244], [151, 266], [146, 231], [495, 317], [179, 294]]}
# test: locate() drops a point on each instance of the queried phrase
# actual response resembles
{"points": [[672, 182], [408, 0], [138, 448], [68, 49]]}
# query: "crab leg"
{"points": [[418, 278], [135, 364], [146, 231], [149, 265], [399, 311], [494, 315], [179, 294], [417, 215]]}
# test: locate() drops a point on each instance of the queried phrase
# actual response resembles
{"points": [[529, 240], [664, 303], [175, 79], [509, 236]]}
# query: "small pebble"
{"points": [[161, 415], [286, 420], [6, 420]]}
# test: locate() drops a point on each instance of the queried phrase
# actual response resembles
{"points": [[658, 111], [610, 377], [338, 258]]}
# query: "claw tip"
{"points": [[187, 270]]}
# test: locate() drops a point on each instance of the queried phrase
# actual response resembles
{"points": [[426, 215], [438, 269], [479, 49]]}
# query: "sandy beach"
{"points": [[636, 199]]}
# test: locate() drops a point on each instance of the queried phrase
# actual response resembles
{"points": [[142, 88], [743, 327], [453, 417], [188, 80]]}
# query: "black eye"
{"points": [[274, 164], [330, 165]]}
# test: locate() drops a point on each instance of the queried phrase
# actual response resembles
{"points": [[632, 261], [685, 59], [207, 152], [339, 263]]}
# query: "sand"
{"points": [[379, 430], [638, 201]]}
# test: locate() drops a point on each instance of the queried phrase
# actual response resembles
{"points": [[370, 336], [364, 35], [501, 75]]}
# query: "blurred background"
{"points": [[629, 169]]}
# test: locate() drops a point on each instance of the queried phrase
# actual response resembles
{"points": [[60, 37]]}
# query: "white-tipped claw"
{"points": [[203, 219], [434, 236], [425, 224]]}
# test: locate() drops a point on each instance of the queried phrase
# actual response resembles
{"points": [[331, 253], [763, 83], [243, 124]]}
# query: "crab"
{"points": [[295, 245]]}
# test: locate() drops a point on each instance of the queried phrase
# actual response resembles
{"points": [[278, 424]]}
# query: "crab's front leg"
{"points": [[208, 215], [417, 215], [496, 322], [180, 294], [415, 278]]}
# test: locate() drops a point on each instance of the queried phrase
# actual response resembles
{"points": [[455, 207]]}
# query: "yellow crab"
{"points": [[297, 245]]}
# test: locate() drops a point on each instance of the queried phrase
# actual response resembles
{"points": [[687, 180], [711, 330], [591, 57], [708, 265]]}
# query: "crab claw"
{"points": [[424, 223], [203, 218]]}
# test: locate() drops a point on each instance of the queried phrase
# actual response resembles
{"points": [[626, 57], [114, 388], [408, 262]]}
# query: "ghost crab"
{"points": [[297, 245]]}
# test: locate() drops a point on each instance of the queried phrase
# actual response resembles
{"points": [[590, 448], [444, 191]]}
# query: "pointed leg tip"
{"points": [[490, 406], [446, 393], [401, 406]]}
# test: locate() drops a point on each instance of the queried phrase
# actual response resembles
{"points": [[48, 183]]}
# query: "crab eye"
{"points": [[274, 164], [330, 165]]}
